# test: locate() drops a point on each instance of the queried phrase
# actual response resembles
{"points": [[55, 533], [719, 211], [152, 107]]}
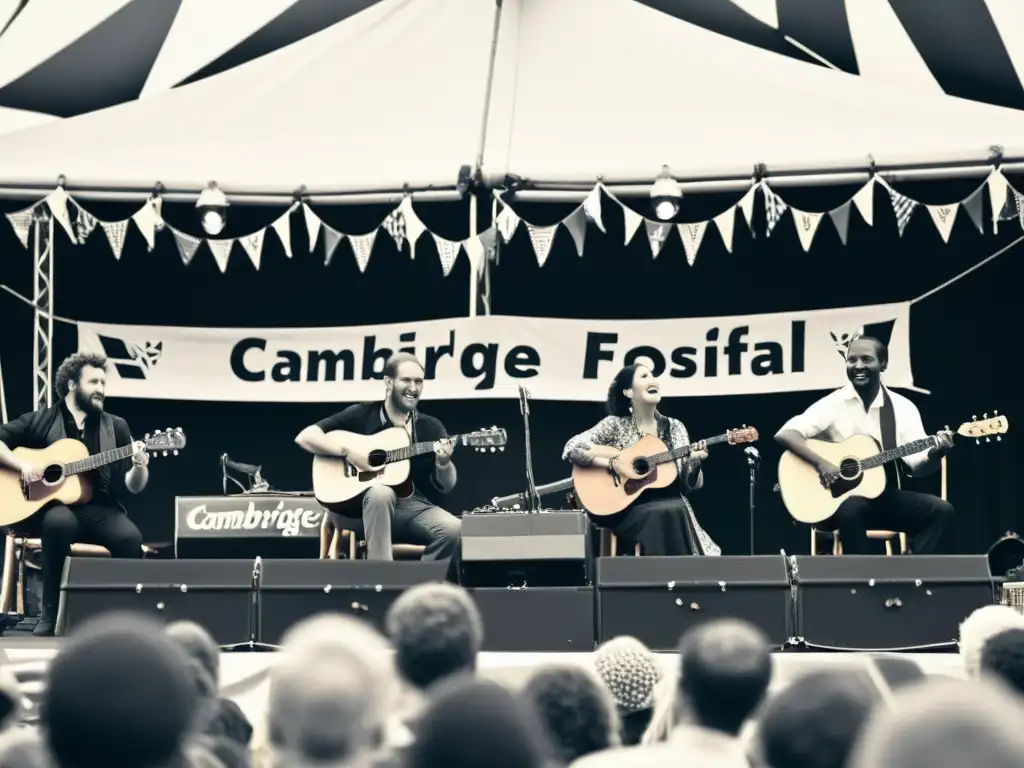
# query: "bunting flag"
{"points": [[21, 223], [542, 238], [58, 202], [253, 245], [85, 223], [221, 250], [774, 208], [362, 247], [632, 220], [148, 220], [592, 208], [489, 240], [973, 207], [331, 239], [997, 187], [693, 236], [283, 227], [657, 234], [576, 223], [726, 221], [943, 216], [187, 245], [414, 226], [746, 204], [312, 225], [115, 231], [394, 225], [903, 207], [447, 251], [475, 253], [864, 199], [841, 218], [507, 222], [806, 226]]}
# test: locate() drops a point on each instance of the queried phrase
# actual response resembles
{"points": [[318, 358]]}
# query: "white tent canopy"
{"points": [[614, 89], [391, 96]]}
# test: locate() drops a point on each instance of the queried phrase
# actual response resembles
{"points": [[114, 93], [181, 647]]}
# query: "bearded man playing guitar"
{"points": [[866, 407], [81, 384], [416, 519]]}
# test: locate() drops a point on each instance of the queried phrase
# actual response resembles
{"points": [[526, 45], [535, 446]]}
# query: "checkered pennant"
{"points": [[774, 208], [394, 224], [85, 223], [903, 207]]}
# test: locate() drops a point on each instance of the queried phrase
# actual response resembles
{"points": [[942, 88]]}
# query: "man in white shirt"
{"points": [[859, 408]]}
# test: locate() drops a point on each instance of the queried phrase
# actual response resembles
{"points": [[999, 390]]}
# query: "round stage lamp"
{"points": [[666, 194], [213, 209]]}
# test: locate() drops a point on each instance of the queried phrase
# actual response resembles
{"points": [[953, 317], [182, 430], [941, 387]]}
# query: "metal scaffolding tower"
{"points": [[42, 300]]}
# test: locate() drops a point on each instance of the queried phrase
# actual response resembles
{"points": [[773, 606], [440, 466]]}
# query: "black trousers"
{"points": [[658, 525], [58, 527], [923, 517]]}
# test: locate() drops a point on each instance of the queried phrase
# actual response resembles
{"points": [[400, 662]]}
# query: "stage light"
{"points": [[213, 209], [666, 194]]}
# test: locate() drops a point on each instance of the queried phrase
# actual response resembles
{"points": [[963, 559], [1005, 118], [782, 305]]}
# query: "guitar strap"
{"points": [[887, 421]]}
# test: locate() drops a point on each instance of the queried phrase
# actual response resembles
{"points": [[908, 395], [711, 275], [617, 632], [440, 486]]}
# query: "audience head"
{"points": [[472, 722], [11, 700], [631, 673], [945, 724], [575, 709], [1002, 656], [979, 627], [23, 748], [725, 669], [119, 692], [814, 722], [436, 631], [197, 644]]}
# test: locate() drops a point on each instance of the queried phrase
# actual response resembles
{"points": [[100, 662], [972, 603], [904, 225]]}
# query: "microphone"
{"points": [[751, 452], [248, 469]]}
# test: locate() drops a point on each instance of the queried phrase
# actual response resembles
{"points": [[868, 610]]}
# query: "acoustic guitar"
{"points": [[336, 483], [66, 466], [648, 464], [812, 499]]}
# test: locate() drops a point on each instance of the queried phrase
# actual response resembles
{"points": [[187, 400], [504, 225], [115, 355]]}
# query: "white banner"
{"points": [[487, 357]]}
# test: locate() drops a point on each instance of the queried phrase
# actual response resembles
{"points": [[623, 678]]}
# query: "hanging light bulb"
{"points": [[213, 209], [666, 194]]}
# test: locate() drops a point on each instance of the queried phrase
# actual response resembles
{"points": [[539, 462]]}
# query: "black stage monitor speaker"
{"points": [[512, 550], [292, 590], [657, 599], [870, 602], [215, 593], [537, 619]]}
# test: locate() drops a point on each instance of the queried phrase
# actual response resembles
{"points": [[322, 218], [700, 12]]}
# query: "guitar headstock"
{"points": [[985, 427], [741, 436], [165, 441], [484, 440]]}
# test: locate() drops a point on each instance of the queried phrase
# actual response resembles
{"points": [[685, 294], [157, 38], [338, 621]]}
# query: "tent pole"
{"points": [[364, 198], [472, 267], [42, 301]]}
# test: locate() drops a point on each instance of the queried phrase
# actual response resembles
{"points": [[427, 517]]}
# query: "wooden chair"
{"points": [[331, 538], [610, 544]]}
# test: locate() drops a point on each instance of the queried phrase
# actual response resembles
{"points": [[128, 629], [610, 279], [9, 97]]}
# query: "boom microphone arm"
{"points": [[259, 485], [532, 497]]}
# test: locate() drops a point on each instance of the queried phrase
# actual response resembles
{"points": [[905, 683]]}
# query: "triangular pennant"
{"points": [[489, 240], [147, 220], [312, 225], [331, 239], [841, 218], [283, 227], [726, 222], [657, 234], [774, 206], [253, 245], [85, 223], [973, 207], [943, 216], [746, 204], [541, 238], [806, 226], [576, 223], [864, 199], [903, 207], [508, 221], [221, 250], [693, 236], [592, 208], [447, 251], [475, 253], [394, 225], [21, 223], [362, 247], [187, 245], [58, 202], [115, 231], [997, 196], [414, 226], [632, 220]]}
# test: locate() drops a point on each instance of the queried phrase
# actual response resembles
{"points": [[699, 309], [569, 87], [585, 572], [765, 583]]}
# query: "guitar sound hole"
{"points": [[377, 458], [641, 466], [53, 474], [849, 469]]}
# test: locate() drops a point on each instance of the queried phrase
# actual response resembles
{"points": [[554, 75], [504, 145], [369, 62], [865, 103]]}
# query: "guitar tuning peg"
{"points": [[984, 415], [988, 439], [147, 436], [175, 453], [157, 432], [493, 449], [995, 413], [165, 453], [974, 418], [999, 438], [502, 449]]}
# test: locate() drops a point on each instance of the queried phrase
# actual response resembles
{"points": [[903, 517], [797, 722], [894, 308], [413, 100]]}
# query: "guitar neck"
{"points": [[907, 449], [416, 449], [99, 460], [683, 451]]}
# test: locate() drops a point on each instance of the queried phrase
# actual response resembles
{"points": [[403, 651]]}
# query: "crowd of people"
{"points": [[126, 692]]}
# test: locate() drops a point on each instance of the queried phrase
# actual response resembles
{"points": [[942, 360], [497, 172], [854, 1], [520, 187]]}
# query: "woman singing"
{"points": [[661, 520]]}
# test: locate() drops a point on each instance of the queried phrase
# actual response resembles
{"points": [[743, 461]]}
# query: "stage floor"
{"points": [[243, 675]]}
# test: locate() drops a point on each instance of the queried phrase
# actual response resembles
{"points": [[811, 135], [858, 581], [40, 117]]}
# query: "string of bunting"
{"points": [[402, 224], [1006, 202]]}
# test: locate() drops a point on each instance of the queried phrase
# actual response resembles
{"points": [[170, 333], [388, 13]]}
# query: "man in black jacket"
{"points": [[416, 519], [81, 384]]}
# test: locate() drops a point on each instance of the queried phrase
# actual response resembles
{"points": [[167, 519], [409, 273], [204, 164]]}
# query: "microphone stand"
{"points": [[532, 497], [753, 460]]}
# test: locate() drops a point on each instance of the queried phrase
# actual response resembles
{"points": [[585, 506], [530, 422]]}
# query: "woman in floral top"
{"points": [[661, 520]]}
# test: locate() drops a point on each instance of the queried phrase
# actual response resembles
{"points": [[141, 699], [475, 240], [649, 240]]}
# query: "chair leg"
{"points": [[332, 551], [19, 594], [888, 547], [7, 589], [351, 545], [837, 544], [613, 546], [903, 539], [636, 550], [814, 542]]}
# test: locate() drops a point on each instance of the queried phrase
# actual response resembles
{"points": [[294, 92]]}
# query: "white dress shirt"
{"points": [[840, 415]]}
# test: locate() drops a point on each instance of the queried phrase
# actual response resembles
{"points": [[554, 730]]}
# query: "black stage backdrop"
{"points": [[961, 336]]}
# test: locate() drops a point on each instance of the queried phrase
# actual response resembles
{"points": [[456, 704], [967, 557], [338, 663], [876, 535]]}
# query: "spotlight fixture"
{"points": [[213, 209], [666, 195]]}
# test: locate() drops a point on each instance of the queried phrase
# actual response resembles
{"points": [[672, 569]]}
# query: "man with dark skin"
{"points": [[858, 409]]}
